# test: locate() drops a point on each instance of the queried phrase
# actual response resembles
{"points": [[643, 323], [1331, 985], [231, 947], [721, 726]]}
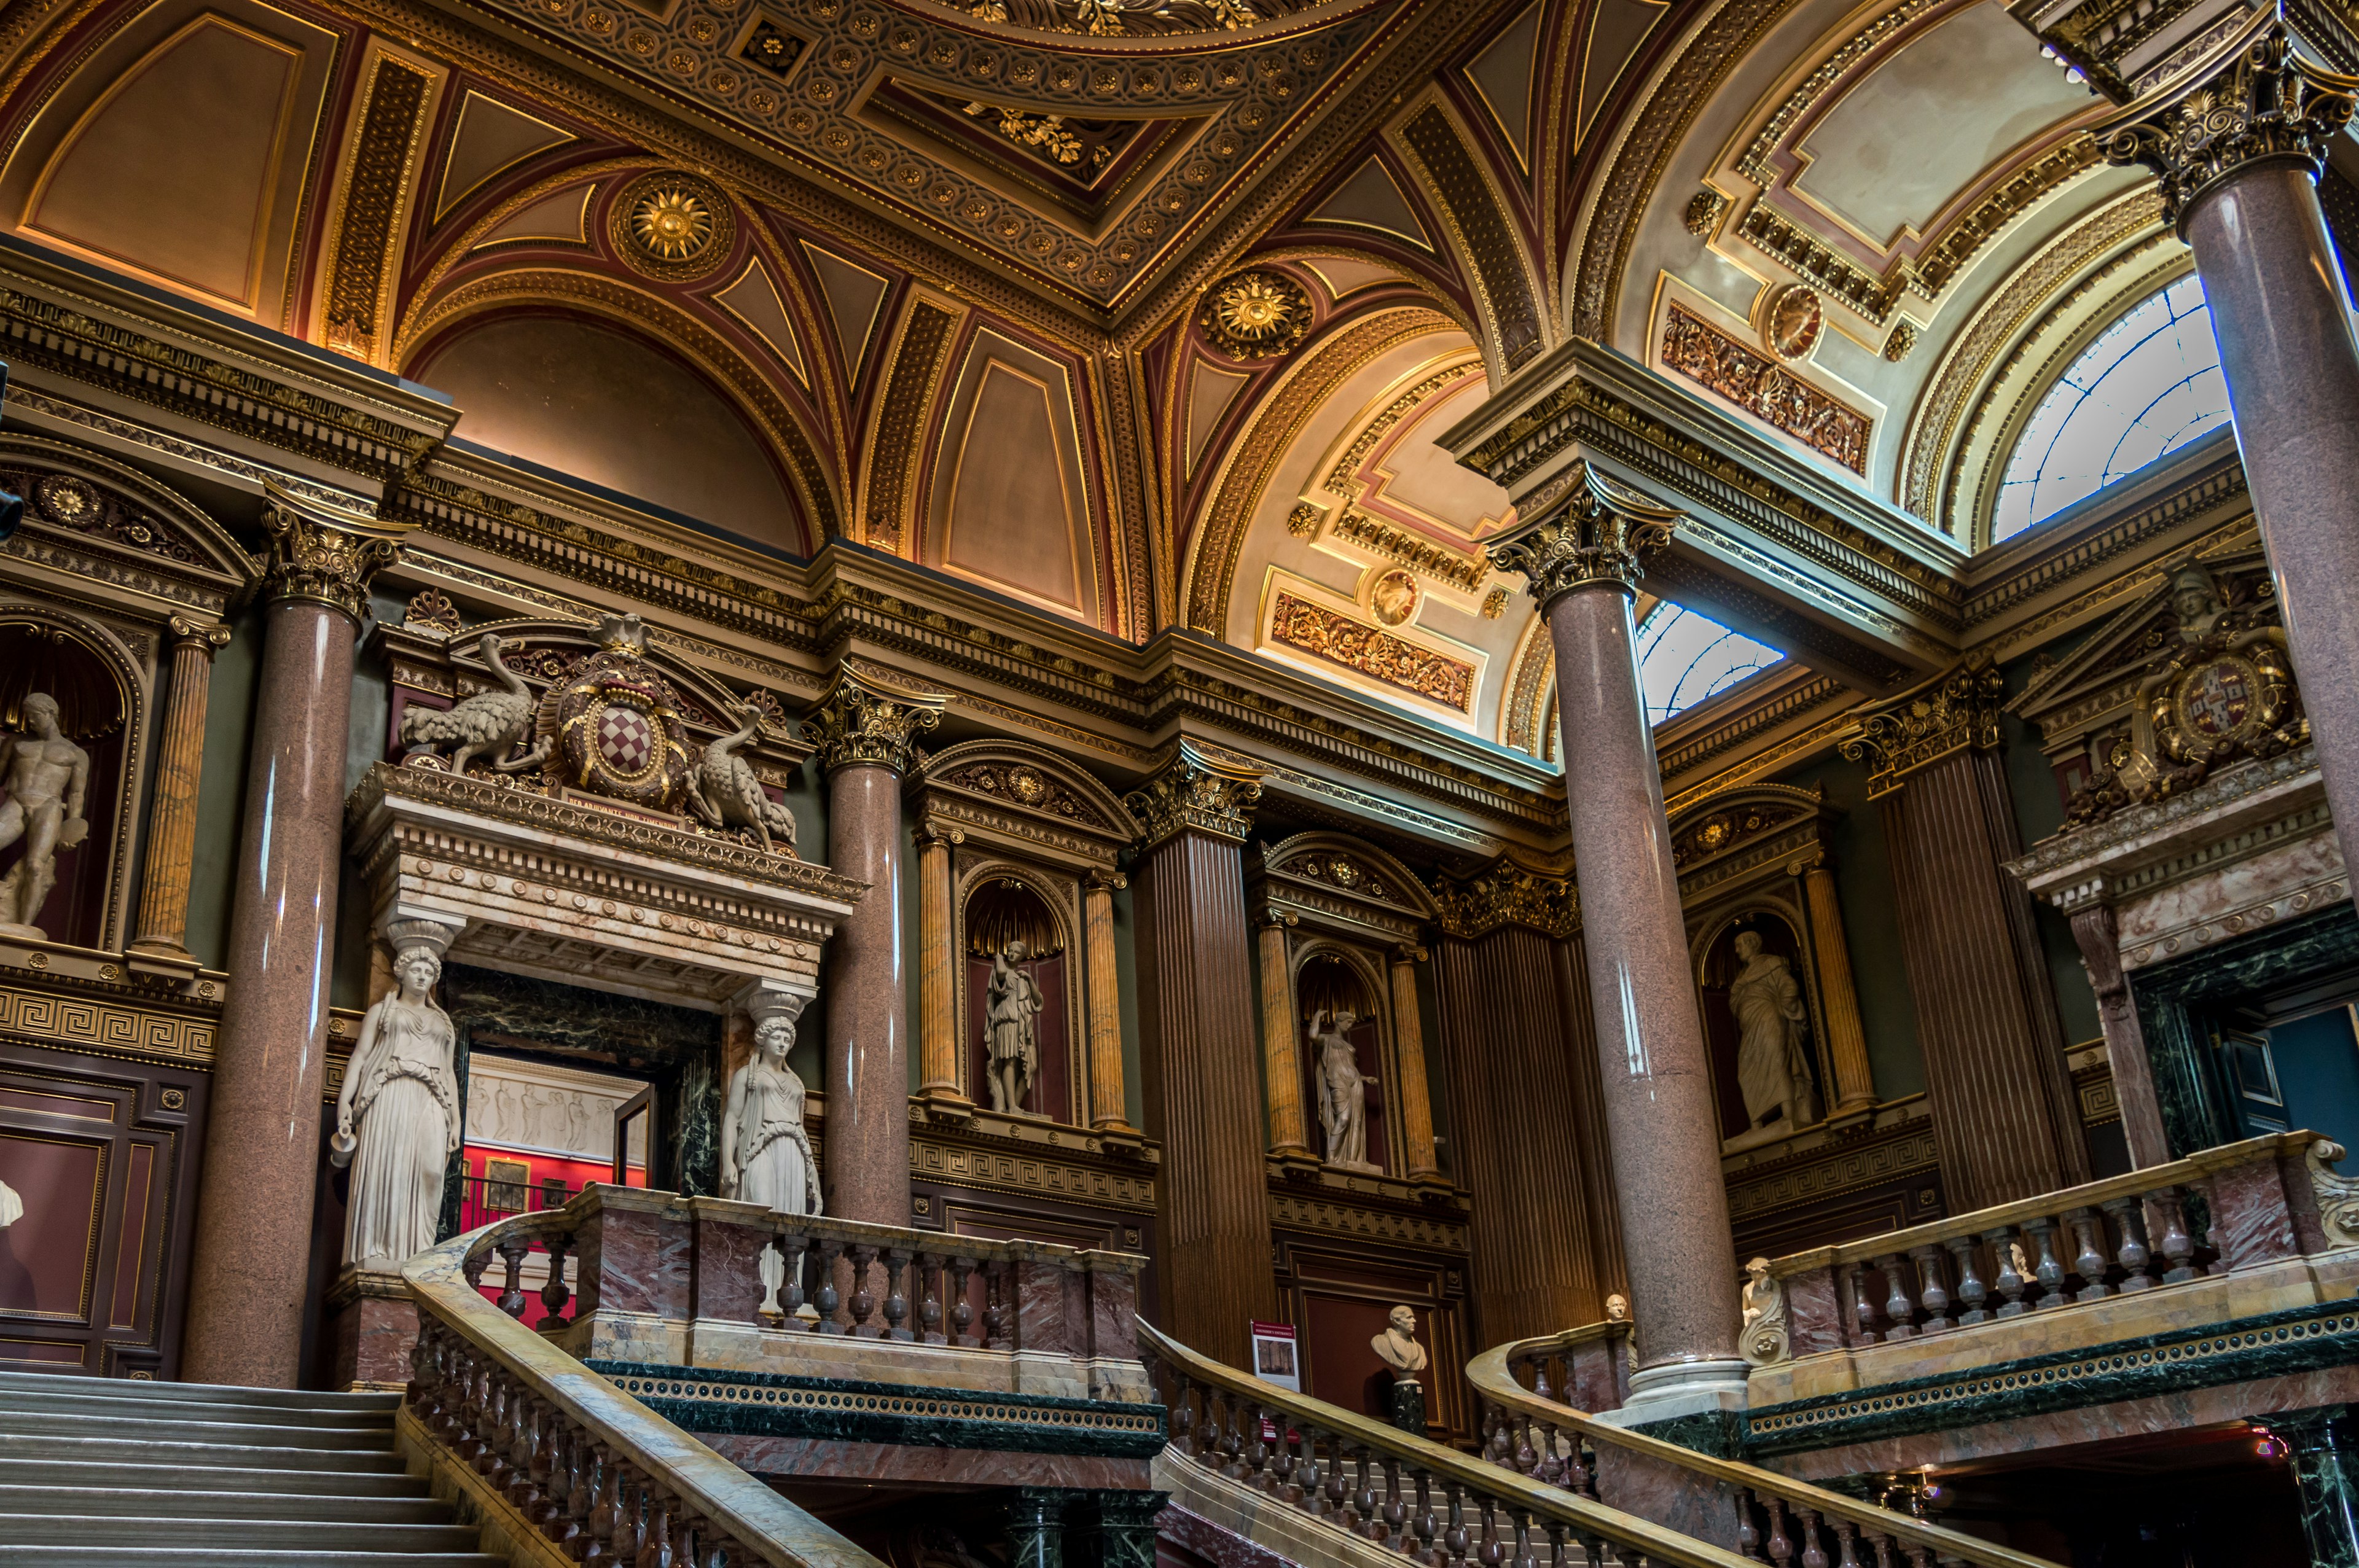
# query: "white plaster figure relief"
{"points": [[46, 775], [1762, 1336], [11, 1207], [1773, 1060], [1342, 1091], [397, 1116], [1011, 1005]]}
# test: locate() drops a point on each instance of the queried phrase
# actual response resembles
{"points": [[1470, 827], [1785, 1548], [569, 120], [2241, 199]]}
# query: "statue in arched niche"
{"points": [[1342, 1090], [1012, 1006], [46, 778], [1773, 1053], [397, 1115]]}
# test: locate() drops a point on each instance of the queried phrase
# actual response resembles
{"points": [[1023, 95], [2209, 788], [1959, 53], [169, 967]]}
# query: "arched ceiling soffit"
{"points": [[1342, 539], [1860, 187], [1073, 142]]}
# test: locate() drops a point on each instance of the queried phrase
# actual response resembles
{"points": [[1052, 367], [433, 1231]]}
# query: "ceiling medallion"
{"points": [[673, 226], [65, 499], [1253, 315], [1394, 599], [1793, 322]]}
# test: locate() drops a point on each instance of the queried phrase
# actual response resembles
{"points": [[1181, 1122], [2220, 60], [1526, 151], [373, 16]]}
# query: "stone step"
{"points": [[16, 1556], [207, 1413], [111, 1498], [390, 1541], [176, 1450], [196, 1393], [169, 1428], [106, 1470]]}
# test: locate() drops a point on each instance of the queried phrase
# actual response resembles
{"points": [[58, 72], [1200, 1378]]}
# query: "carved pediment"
{"points": [[1023, 796], [1728, 833], [1344, 877], [102, 522]]}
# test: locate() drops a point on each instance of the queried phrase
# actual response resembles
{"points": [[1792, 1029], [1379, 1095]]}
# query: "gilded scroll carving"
{"points": [[1373, 651], [1710, 357]]}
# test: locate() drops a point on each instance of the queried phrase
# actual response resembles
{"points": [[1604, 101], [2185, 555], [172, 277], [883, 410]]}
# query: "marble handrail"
{"points": [[1427, 1501], [594, 1469], [1532, 1434]]}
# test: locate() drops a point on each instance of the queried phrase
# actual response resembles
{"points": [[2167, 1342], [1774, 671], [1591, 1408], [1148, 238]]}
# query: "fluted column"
{"points": [[1196, 1001], [252, 1246], [2002, 1107], [1846, 1040], [866, 727], [162, 946], [1584, 560], [2237, 144], [1107, 1110], [937, 961], [1281, 1052], [1417, 1162]]}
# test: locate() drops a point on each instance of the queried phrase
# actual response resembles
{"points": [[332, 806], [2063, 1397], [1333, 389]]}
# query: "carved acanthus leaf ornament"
{"points": [[2255, 102], [1955, 710], [867, 719], [1507, 894], [1602, 534], [323, 556], [1195, 790]]}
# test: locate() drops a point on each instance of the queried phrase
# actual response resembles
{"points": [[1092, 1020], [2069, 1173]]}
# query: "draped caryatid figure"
{"points": [[398, 1117]]}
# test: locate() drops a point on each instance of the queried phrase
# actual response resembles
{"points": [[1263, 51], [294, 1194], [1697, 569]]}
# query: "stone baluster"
{"points": [[999, 1306], [961, 1308], [1863, 1305], [2011, 1281], [2045, 1265], [1972, 1291], [793, 1251], [161, 947], [512, 1250], [2089, 1261], [863, 1300], [2134, 1256], [865, 729], [929, 1309], [555, 1293], [2176, 1239], [1931, 1295], [896, 1301], [252, 1236], [1583, 556], [1900, 1307], [828, 1297]]}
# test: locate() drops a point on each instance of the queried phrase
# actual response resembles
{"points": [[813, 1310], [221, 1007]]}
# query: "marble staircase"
{"points": [[103, 1472]]}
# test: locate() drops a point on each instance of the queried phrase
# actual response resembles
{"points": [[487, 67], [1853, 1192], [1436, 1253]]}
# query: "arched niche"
{"points": [[100, 689], [1331, 979], [1002, 903], [595, 399]]}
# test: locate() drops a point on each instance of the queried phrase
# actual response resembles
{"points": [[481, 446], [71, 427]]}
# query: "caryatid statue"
{"points": [[398, 1117], [46, 775], [1773, 1053], [766, 1152], [1342, 1091], [1011, 1005]]}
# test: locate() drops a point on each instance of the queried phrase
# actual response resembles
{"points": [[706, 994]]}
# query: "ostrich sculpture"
{"points": [[487, 723], [725, 793]]}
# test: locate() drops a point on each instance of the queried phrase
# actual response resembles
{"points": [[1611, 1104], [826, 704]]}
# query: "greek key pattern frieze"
{"points": [[94, 1026]]}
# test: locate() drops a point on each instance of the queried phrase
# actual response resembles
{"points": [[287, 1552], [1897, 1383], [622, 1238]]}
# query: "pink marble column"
{"points": [[1584, 560], [252, 1243], [865, 728], [2247, 206]]}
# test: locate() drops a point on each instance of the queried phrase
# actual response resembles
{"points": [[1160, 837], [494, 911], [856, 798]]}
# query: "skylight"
{"points": [[1684, 657], [2150, 385]]}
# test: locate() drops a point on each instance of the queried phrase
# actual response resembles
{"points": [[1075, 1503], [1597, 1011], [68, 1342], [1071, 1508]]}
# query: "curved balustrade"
{"points": [[1775, 1517], [611, 1483], [1431, 1503]]}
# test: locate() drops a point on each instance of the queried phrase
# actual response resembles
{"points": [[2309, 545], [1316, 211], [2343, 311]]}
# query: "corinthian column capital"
{"points": [[868, 719], [325, 555], [2253, 100], [1197, 790], [1955, 711], [1599, 533]]}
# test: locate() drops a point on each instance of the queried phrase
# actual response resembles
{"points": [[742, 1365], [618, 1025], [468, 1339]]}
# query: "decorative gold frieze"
{"points": [[1256, 314], [1463, 572], [376, 182], [1711, 357], [1956, 709], [1506, 894], [1198, 790], [96, 1025], [1373, 651], [2264, 103], [324, 556], [867, 718], [1602, 532]]}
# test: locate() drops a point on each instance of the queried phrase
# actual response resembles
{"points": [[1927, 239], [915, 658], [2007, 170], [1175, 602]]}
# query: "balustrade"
{"points": [[1428, 1502]]}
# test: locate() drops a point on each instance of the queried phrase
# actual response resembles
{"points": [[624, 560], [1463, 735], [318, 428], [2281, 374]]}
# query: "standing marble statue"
{"points": [[46, 775], [1773, 1061], [1398, 1349], [1342, 1091], [397, 1116], [766, 1152], [1011, 1005]]}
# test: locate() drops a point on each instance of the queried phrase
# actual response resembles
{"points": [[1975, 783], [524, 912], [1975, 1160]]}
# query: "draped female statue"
{"points": [[766, 1155], [1773, 1062], [397, 1116], [1342, 1091]]}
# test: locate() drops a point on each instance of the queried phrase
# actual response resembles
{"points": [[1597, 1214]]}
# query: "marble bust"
{"points": [[1397, 1347], [46, 777], [1772, 1067], [397, 1116], [1012, 1004]]}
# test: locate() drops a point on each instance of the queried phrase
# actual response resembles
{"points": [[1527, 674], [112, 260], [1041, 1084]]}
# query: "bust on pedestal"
{"points": [[1398, 1349]]}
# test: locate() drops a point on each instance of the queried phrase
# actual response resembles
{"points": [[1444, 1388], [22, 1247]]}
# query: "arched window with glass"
{"points": [[2147, 386]]}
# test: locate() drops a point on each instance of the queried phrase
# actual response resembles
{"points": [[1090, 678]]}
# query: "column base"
{"points": [[1697, 1404], [372, 1328], [942, 1105], [1119, 1138], [158, 962]]}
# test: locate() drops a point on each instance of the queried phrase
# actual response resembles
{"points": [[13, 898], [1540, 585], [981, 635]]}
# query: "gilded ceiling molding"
{"points": [[379, 175], [903, 413], [1744, 728], [1218, 537], [1486, 239], [618, 300], [1531, 684], [1941, 410]]}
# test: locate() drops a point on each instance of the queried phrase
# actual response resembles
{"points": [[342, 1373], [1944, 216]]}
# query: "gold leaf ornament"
{"points": [[1256, 314]]}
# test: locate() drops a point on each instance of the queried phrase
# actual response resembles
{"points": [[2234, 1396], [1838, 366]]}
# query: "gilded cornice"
{"points": [[1681, 752], [1957, 710], [1506, 893], [1199, 790]]}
